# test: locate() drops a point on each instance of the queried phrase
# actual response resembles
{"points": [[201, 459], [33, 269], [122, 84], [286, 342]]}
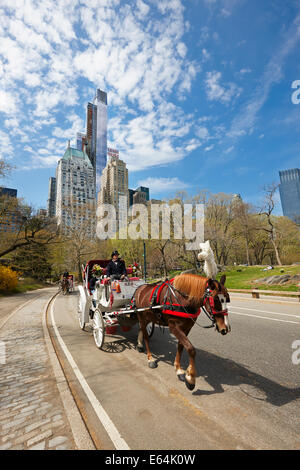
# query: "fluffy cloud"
{"points": [[163, 185], [219, 92], [135, 51]]}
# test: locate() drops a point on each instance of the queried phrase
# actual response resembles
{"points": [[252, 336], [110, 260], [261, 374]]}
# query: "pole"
{"points": [[145, 263]]}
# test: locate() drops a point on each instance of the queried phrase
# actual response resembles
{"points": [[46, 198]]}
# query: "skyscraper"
{"points": [[114, 188], [96, 135], [101, 140], [51, 197], [91, 133], [75, 192], [289, 190]]}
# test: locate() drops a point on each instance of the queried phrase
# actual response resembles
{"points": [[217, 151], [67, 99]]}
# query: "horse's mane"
{"points": [[191, 285]]}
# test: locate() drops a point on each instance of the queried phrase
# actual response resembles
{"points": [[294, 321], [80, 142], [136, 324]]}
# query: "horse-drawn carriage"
{"points": [[174, 303], [107, 303], [67, 284]]}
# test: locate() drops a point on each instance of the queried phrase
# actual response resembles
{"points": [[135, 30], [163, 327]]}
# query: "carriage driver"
{"points": [[116, 268]]}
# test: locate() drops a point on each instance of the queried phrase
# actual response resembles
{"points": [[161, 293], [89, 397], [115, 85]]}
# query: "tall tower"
{"points": [[101, 140], [91, 133], [75, 192], [289, 190], [114, 187], [96, 134]]}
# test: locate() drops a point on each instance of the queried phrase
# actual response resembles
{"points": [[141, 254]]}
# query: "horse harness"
{"points": [[176, 308]]}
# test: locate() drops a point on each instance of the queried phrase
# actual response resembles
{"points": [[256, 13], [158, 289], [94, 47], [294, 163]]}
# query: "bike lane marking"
{"points": [[116, 438]]}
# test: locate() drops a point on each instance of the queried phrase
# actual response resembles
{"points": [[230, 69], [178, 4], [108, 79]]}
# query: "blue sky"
{"points": [[199, 91]]}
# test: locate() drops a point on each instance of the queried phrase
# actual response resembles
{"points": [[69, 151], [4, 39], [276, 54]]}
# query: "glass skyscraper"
{"points": [[289, 189], [96, 135], [101, 135]]}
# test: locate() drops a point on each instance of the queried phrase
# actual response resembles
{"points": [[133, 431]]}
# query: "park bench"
{"points": [[256, 292]]}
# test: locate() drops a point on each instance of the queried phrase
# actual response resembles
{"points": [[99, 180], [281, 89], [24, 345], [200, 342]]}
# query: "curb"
{"points": [[80, 433]]}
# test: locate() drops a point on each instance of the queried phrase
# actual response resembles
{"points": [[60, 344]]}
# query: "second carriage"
{"points": [[107, 306]]}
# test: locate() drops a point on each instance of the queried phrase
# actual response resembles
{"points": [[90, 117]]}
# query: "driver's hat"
{"points": [[115, 253]]}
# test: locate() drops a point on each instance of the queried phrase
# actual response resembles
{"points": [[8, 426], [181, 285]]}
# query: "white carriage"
{"points": [[108, 305]]}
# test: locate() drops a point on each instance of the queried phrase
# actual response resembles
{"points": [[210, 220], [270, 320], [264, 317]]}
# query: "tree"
{"points": [[270, 224], [30, 226], [33, 261], [5, 168]]}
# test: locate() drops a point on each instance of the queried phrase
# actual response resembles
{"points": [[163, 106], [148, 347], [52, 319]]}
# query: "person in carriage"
{"points": [[116, 269]]}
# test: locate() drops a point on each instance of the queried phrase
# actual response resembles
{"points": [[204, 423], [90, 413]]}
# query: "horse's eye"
{"points": [[222, 300]]}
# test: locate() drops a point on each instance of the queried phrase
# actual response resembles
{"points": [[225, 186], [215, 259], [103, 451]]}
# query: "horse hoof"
{"points": [[140, 349], [181, 377], [152, 364], [189, 386]]}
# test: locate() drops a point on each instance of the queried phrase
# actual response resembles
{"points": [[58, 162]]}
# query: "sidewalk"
{"points": [[32, 414]]}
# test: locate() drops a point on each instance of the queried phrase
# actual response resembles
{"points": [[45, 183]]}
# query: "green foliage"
{"points": [[33, 261]]}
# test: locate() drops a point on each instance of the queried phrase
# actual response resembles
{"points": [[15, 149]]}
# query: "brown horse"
{"points": [[65, 286], [182, 298]]}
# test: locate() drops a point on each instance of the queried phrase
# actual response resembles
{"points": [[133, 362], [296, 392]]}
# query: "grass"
{"points": [[242, 277], [25, 285]]}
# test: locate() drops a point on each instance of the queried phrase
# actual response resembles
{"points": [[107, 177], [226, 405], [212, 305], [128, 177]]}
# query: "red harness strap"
{"points": [[158, 290], [178, 311], [174, 309]]}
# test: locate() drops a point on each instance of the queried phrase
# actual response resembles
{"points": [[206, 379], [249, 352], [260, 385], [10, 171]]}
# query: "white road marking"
{"points": [[267, 311], [118, 441], [266, 318]]}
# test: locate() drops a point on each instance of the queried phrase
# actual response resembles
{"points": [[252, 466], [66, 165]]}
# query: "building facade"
{"points": [[289, 190], [8, 192], [75, 192], [11, 217], [138, 196], [114, 188], [51, 202]]}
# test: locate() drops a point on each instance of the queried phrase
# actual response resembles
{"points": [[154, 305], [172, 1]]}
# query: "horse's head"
{"points": [[215, 302]]}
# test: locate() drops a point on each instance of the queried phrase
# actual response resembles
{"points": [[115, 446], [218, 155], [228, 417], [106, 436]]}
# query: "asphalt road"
{"points": [[246, 395]]}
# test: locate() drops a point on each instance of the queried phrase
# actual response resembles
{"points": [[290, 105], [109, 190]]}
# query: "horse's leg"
{"points": [[179, 371], [151, 362], [181, 335], [140, 346]]}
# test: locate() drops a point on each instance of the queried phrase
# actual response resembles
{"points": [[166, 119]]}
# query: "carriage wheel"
{"points": [[98, 328], [150, 329], [80, 315]]}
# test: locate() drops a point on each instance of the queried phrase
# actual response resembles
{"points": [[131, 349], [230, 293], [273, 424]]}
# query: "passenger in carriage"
{"points": [[116, 268]]}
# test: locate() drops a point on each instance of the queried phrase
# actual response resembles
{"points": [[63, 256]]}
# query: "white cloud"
{"points": [[163, 185], [138, 57], [229, 150], [215, 91], [7, 102]]}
